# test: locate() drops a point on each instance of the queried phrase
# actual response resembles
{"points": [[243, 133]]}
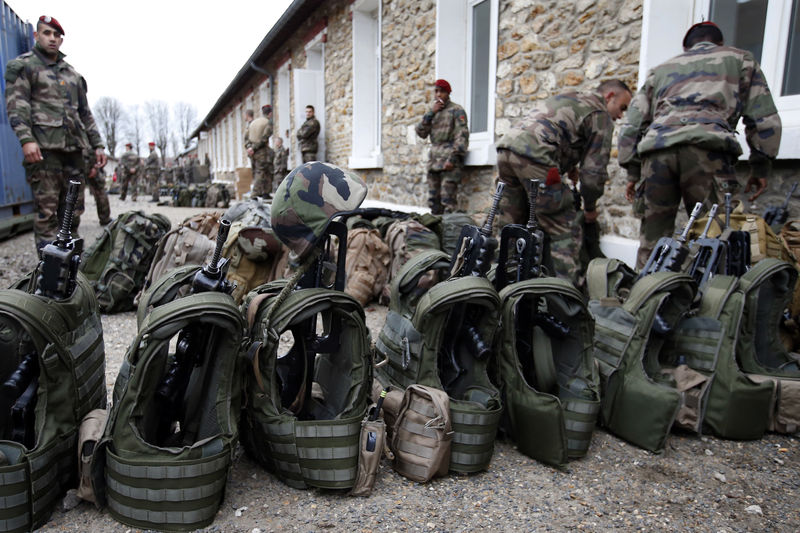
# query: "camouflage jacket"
{"points": [[307, 135], [258, 134], [697, 98], [152, 163], [449, 135], [129, 161], [281, 160], [566, 130], [46, 103]]}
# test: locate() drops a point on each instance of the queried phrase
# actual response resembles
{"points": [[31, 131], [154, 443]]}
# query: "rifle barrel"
{"points": [[695, 213], [711, 214], [727, 210], [498, 194], [788, 197], [533, 222], [65, 231]]}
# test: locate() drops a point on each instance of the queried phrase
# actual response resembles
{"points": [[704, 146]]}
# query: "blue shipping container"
{"points": [[16, 200]]}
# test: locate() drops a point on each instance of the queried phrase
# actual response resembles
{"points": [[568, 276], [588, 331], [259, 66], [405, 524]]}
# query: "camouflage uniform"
{"points": [[97, 186], [680, 133], [280, 164], [258, 135], [46, 103], [562, 132], [129, 163], [307, 136], [449, 136], [152, 167]]}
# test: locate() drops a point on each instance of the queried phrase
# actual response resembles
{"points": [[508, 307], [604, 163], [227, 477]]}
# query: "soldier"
{"points": [[248, 118], [258, 135], [151, 169], [129, 164], [566, 134], [680, 134], [49, 113], [446, 123], [96, 180], [281, 161], [307, 136]]}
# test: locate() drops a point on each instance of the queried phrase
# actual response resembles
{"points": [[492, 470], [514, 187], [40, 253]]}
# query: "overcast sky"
{"points": [[170, 50]]}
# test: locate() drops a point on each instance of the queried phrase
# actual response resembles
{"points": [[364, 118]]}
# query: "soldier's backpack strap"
{"points": [[409, 276], [607, 277]]}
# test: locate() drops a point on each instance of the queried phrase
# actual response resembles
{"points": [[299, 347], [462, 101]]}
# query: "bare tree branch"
{"points": [[135, 128], [158, 118], [110, 117], [186, 118]]}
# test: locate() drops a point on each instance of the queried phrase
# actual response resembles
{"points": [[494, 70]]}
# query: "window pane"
{"points": [[479, 102], [742, 23], [791, 74]]}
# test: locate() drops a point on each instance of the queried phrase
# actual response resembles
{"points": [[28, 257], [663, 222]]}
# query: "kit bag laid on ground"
{"points": [[217, 196], [304, 406], [53, 357], [639, 402], [546, 371], [420, 346], [406, 238], [118, 262], [171, 434], [451, 230], [368, 259]]}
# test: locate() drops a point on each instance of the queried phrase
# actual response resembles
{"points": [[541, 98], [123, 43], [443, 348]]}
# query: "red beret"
{"points": [[151, 144], [50, 21], [553, 176], [699, 24], [266, 109], [442, 84]]}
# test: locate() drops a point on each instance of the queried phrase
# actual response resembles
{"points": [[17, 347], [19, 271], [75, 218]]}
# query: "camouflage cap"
{"points": [[308, 198]]}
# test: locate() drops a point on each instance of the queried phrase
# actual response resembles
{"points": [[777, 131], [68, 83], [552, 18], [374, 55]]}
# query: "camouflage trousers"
{"points": [[680, 172], [151, 177], [443, 190], [49, 181], [309, 156], [262, 173], [129, 180], [277, 178], [97, 186], [555, 211]]}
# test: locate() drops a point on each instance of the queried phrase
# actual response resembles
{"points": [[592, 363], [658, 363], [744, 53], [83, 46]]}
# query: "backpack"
{"points": [[545, 369], [419, 327], [790, 235], [173, 425], [305, 433], [406, 238], [368, 259], [59, 344], [217, 196], [451, 230], [117, 263]]}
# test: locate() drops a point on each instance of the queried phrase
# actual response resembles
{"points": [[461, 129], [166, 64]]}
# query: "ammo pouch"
{"points": [[420, 346], [370, 451], [168, 445], [306, 440], [546, 370], [64, 339]]}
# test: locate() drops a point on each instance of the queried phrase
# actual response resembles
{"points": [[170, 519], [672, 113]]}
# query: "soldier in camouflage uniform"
{"points": [[96, 181], [680, 133], [49, 113], [565, 135], [446, 124], [281, 162], [152, 167], [128, 169], [307, 136], [258, 148], [248, 118]]}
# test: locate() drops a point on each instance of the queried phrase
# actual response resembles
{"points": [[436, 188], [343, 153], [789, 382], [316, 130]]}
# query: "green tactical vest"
{"points": [[145, 482], [550, 387], [321, 451], [67, 337], [638, 404], [414, 336]]}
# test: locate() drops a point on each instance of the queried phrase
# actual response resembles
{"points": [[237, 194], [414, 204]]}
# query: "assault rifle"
{"points": [[708, 253], [776, 216], [521, 246], [670, 253], [19, 393], [177, 400], [737, 258], [472, 257], [57, 272]]}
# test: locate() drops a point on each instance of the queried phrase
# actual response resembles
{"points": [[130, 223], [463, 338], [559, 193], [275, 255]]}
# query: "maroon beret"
{"points": [[698, 25], [442, 84], [53, 23], [151, 144], [266, 109]]}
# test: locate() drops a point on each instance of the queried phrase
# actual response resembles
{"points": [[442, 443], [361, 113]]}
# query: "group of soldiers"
{"points": [[678, 143], [131, 168]]}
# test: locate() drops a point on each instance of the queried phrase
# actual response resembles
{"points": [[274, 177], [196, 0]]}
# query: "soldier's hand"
{"points": [[448, 165], [101, 157], [590, 216], [759, 185], [438, 105], [630, 191], [31, 152], [250, 152]]}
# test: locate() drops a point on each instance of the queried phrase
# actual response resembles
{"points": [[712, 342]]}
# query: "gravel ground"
{"points": [[697, 484]]}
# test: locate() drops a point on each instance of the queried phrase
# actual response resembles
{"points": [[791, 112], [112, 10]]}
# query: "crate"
{"points": [[242, 181]]}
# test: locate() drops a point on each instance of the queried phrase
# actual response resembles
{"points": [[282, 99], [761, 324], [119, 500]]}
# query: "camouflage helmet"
{"points": [[308, 198]]}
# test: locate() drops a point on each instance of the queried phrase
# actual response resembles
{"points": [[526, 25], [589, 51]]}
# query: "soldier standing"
{"points": [[281, 161], [248, 118], [129, 163], [151, 169], [258, 135], [446, 123], [680, 135], [96, 180], [49, 113], [566, 134], [307, 136]]}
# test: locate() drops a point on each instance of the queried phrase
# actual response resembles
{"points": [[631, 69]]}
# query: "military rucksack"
{"points": [[217, 196], [172, 431], [451, 230], [406, 238], [117, 263], [53, 358], [368, 260], [420, 347]]}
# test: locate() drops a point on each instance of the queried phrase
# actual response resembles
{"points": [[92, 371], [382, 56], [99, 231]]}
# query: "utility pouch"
{"points": [[371, 443]]}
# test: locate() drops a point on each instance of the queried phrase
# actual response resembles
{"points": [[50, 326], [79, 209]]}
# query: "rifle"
{"points": [[472, 258], [19, 394], [708, 253], [776, 216], [737, 258], [178, 401], [670, 253], [526, 243], [57, 272]]}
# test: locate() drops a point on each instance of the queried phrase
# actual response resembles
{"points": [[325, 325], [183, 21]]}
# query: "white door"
{"points": [[308, 89]]}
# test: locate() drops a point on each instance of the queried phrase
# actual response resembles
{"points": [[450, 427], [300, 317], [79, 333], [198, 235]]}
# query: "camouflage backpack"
{"points": [[406, 239], [217, 196], [117, 263], [451, 229], [53, 358], [367, 262]]}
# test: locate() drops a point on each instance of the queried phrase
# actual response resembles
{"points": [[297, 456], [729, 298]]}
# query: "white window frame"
{"points": [[365, 146], [284, 103], [453, 63]]}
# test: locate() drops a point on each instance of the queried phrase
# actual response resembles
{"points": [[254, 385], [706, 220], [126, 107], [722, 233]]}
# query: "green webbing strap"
{"points": [[653, 283], [578, 426], [414, 267], [473, 439], [317, 430], [716, 294], [597, 278], [423, 407], [479, 459], [472, 418], [581, 407], [545, 373], [160, 519], [116, 488], [331, 475], [762, 270], [162, 470], [327, 453]]}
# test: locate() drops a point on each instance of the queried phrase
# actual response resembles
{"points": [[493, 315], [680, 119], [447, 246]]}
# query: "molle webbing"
{"points": [[474, 431]]}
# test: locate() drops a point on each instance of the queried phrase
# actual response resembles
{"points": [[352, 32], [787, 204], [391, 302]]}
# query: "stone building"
{"points": [[368, 67]]}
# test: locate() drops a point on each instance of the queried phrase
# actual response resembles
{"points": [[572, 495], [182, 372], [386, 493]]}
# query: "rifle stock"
{"points": [[521, 246], [737, 257], [57, 272], [669, 254]]}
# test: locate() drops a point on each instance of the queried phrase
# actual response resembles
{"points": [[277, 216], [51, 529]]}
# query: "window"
{"points": [[791, 72], [479, 66], [366, 142], [742, 23]]}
